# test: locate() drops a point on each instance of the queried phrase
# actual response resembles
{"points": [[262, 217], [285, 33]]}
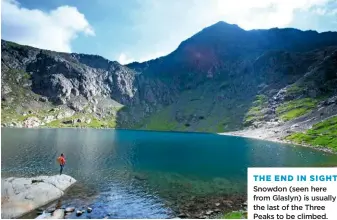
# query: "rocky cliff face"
{"points": [[223, 78], [70, 88]]}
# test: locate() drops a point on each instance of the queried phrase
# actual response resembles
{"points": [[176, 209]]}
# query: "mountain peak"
{"points": [[224, 26]]}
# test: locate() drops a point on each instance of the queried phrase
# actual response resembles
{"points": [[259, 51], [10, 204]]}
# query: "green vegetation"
{"points": [[294, 90], [295, 108], [162, 121], [236, 215], [86, 120], [323, 134], [255, 113], [12, 44]]}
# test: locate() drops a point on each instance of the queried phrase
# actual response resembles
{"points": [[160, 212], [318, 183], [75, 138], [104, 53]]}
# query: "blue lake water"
{"points": [[138, 174]]}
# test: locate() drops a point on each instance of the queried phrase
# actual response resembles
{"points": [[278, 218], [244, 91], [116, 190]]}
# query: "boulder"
{"points": [[32, 122], [44, 215], [58, 214], [209, 212], [65, 114], [43, 99], [48, 118], [70, 209], [77, 106], [20, 195]]}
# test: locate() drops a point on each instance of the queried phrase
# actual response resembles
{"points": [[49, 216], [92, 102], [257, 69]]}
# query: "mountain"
{"points": [[221, 79], [60, 89]]}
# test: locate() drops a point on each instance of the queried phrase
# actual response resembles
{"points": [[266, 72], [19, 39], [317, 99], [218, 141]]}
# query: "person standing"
{"points": [[62, 161]]}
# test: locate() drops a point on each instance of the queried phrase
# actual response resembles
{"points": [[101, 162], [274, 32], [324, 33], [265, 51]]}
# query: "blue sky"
{"points": [[139, 30]]}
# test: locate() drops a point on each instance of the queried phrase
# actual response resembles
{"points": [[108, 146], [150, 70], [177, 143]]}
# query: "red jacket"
{"points": [[61, 160]]}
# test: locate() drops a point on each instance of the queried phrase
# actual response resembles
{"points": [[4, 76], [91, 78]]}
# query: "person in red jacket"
{"points": [[62, 161]]}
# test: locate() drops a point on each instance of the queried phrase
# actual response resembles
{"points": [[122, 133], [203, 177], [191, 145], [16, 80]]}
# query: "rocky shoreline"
{"points": [[206, 207], [209, 207], [22, 195], [256, 134]]}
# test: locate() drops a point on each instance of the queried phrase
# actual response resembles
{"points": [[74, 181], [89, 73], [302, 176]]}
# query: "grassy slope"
{"points": [[255, 113], [296, 108], [323, 134], [202, 109]]}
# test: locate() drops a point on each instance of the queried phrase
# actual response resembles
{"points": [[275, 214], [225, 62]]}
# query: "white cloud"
{"points": [[124, 59], [263, 13], [52, 30], [320, 11]]}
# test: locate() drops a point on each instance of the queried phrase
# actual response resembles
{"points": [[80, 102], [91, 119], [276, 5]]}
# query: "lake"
{"points": [[142, 174]]}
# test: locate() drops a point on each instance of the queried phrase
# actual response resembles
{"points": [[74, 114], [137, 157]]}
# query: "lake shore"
{"points": [[268, 135], [22, 195], [211, 206]]}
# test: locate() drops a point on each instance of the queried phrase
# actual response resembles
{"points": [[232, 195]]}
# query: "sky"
{"points": [[140, 30]]}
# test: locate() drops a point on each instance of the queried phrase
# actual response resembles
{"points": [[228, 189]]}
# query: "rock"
{"points": [[39, 211], [68, 122], [6, 89], [77, 106], [88, 121], [78, 213], [75, 92], [48, 118], [37, 181], [228, 203], [182, 215], [44, 215], [58, 214], [32, 122], [65, 114], [70, 209], [20, 196], [330, 101], [209, 212], [89, 209], [43, 99], [294, 126], [217, 204], [51, 209]]}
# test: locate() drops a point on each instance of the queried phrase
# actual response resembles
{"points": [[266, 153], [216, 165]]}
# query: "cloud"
{"points": [[53, 30], [263, 13], [163, 25], [124, 59], [252, 14]]}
